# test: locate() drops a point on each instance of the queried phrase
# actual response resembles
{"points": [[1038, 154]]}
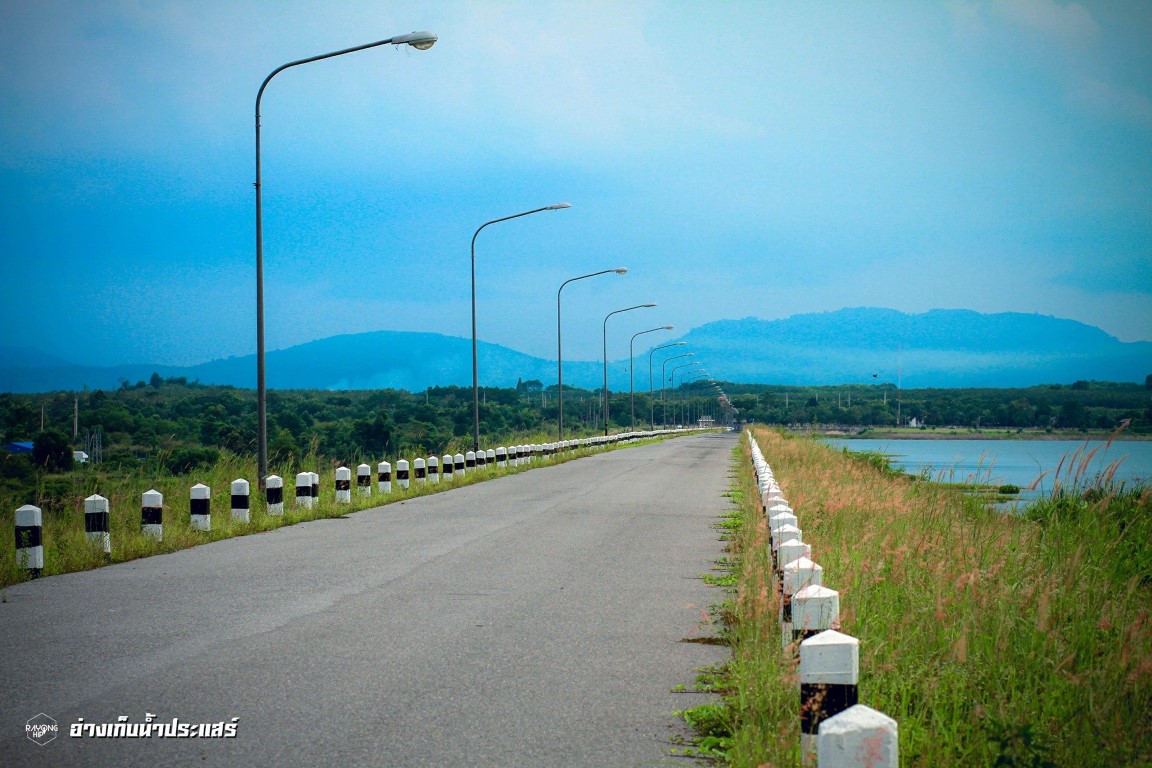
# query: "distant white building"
{"points": [[80, 457], [913, 422]]}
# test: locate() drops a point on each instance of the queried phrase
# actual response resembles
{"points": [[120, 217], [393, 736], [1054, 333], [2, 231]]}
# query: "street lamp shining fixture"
{"points": [[421, 41]]}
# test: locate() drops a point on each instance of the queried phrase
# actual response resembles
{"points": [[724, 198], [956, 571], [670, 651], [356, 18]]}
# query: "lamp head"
{"points": [[421, 41], [621, 270], [558, 206], [667, 327], [647, 305]]}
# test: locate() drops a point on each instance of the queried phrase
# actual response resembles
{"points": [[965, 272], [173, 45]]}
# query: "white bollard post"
{"points": [[402, 473], [364, 480], [96, 516], [778, 509], [482, 459], [790, 550], [489, 457], [458, 460], [778, 520], [274, 494], [200, 505], [794, 576], [343, 485], [152, 514], [858, 736], [384, 477], [447, 469], [785, 533], [241, 500], [315, 487], [304, 490], [829, 683], [470, 460], [433, 470], [419, 471], [30, 539], [815, 608]]}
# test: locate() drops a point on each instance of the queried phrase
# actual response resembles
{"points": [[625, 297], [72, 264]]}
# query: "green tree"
{"points": [[52, 451]]}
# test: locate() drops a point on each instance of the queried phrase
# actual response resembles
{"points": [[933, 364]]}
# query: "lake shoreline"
{"points": [[990, 435]]}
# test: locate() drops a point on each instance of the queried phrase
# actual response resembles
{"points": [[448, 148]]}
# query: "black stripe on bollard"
{"points": [[786, 609], [315, 490], [820, 701], [419, 473], [27, 536], [201, 506], [364, 481], [151, 516], [275, 495], [401, 474], [385, 477], [303, 491], [240, 501], [96, 522], [343, 485], [469, 463], [800, 635]]}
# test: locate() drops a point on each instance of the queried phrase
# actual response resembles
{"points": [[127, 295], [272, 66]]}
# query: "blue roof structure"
{"points": [[18, 447]]}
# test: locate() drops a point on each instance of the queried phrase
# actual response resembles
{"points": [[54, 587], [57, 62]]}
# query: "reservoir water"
{"points": [[1016, 462]]}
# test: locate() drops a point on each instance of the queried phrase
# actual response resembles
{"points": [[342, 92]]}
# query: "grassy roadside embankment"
{"points": [[991, 639], [67, 549]]}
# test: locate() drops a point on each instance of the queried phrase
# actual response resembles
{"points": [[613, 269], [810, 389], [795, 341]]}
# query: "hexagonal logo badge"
{"points": [[41, 729]]}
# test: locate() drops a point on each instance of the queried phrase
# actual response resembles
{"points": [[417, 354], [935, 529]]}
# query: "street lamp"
{"points": [[618, 311], [475, 369], [421, 41], [651, 400], [631, 386], [663, 407], [692, 377], [672, 378], [559, 354]]}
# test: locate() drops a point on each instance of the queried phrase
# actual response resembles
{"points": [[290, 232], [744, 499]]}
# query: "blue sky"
{"points": [[740, 158]]}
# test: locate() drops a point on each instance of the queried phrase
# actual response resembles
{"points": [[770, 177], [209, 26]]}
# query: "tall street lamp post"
{"points": [[651, 399], [421, 41], [663, 378], [475, 368], [672, 379], [560, 354], [686, 403], [631, 377], [616, 312]]}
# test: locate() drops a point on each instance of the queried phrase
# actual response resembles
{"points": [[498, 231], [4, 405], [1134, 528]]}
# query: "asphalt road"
{"points": [[534, 620]]}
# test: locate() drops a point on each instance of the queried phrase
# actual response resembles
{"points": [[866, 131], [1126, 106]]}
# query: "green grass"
{"points": [[993, 640]]}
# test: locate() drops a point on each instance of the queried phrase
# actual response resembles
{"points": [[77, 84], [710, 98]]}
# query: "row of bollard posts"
{"points": [[836, 731], [433, 469]]}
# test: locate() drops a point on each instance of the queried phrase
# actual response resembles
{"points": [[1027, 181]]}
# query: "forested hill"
{"points": [[939, 348]]}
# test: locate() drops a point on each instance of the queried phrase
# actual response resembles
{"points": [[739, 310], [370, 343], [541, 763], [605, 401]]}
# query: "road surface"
{"points": [[534, 620]]}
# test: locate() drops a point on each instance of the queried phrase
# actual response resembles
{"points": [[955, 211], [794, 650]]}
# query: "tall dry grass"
{"points": [[991, 639]]}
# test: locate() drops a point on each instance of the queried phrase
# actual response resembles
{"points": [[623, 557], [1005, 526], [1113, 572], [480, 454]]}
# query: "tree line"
{"points": [[184, 424]]}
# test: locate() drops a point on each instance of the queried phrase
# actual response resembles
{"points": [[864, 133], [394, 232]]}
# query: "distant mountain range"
{"points": [[939, 348]]}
